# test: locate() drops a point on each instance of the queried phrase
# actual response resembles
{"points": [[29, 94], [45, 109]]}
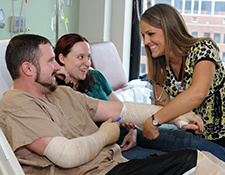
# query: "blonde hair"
{"points": [[177, 38]]}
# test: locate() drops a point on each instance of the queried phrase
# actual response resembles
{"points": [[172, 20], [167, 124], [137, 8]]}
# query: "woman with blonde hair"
{"points": [[184, 67]]}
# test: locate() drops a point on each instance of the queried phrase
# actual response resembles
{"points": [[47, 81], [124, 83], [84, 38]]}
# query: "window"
{"points": [[219, 8], [206, 7], [178, 5], [223, 59], [196, 5], [194, 19], [207, 34], [163, 1], [224, 39], [143, 53], [195, 34], [188, 6], [142, 68], [217, 37]]}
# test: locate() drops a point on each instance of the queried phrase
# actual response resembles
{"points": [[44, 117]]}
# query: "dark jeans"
{"points": [[172, 140]]}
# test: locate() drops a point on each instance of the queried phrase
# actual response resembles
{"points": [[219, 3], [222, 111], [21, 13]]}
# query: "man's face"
{"points": [[47, 69]]}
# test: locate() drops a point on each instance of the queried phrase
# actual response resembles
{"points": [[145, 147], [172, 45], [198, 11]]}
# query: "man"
{"points": [[52, 130]]}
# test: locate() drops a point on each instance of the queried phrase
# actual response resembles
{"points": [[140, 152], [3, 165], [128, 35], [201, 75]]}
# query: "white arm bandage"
{"points": [[138, 113], [71, 153], [182, 120]]}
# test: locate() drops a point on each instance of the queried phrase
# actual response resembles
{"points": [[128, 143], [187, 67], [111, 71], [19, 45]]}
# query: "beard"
{"points": [[49, 85]]}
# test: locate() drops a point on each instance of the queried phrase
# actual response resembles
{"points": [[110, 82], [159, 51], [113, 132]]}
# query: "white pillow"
{"points": [[5, 78], [138, 83], [136, 94]]}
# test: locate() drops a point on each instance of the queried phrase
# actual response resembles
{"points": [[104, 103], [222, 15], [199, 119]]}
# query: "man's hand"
{"points": [[184, 122], [150, 131], [129, 125], [130, 140], [110, 130]]}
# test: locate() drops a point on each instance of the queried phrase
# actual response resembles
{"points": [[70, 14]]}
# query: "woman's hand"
{"points": [[150, 131], [63, 73], [130, 140]]}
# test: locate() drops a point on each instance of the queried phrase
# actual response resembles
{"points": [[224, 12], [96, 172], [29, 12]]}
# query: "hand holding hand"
{"points": [[150, 131], [184, 122]]}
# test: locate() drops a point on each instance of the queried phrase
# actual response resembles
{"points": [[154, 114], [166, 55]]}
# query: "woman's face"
{"points": [[154, 38], [78, 61]]}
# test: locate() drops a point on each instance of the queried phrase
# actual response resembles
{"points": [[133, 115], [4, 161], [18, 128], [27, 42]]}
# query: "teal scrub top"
{"points": [[100, 90]]}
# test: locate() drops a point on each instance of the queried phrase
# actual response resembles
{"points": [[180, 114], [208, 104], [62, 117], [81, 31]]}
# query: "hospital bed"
{"points": [[9, 164]]}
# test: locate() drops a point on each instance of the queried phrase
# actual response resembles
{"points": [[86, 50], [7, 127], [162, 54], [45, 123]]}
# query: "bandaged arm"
{"points": [[74, 152], [138, 113]]}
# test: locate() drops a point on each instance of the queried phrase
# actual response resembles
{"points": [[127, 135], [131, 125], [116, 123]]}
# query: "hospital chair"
{"points": [[9, 164], [106, 59]]}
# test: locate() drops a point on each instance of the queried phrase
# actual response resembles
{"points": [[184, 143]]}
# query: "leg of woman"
{"points": [[175, 139]]}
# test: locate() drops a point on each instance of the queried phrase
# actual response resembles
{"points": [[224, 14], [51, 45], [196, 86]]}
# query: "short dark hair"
{"points": [[23, 48]]}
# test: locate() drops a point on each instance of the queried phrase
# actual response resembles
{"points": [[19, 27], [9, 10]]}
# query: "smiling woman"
{"points": [[185, 67], [154, 38], [77, 61], [73, 53]]}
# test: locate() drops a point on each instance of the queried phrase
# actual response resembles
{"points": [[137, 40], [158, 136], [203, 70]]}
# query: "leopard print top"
{"points": [[212, 109]]}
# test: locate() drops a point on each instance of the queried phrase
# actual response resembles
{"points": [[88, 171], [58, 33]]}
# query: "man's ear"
{"points": [[27, 68], [62, 58]]}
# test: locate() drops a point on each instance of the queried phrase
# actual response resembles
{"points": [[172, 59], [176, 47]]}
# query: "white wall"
{"points": [[38, 15], [108, 20]]}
